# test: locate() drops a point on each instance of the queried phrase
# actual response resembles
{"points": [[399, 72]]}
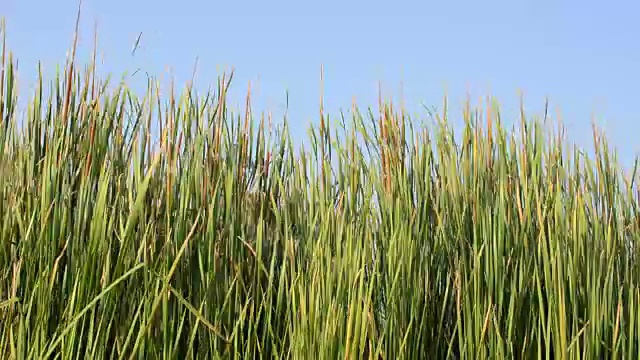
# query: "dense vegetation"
{"points": [[381, 238]]}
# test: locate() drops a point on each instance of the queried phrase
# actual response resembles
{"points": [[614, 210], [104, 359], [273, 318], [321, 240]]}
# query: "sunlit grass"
{"points": [[379, 239]]}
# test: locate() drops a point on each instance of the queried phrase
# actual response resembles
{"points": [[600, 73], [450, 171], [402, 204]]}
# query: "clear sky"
{"points": [[584, 55]]}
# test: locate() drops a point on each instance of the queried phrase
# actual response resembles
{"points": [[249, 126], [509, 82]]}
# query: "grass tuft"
{"points": [[381, 239]]}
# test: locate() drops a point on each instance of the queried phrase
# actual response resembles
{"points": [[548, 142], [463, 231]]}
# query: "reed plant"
{"points": [[382, 237]]}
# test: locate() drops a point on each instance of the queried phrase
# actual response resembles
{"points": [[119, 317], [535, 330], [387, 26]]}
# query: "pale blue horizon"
{"points": [[578, 54]]}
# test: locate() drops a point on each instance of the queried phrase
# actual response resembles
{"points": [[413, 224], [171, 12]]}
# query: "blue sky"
{"points": [[581, 54]]}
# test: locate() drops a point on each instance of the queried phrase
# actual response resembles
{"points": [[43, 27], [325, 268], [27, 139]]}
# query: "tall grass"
{"points": [[380, 239]]}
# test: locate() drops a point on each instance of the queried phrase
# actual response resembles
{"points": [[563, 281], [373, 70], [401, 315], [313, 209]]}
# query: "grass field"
{"points": [[382, 238]]}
